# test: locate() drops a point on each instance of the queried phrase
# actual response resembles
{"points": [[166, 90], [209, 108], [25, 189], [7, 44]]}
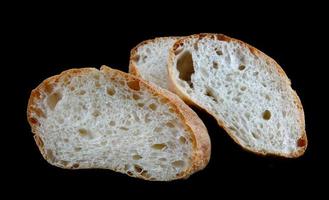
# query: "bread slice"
{"points": [[149, 60], [89, 118], [245, 90]]}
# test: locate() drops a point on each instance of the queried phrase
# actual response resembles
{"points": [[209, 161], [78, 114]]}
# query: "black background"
{"points": [[46, 42]]}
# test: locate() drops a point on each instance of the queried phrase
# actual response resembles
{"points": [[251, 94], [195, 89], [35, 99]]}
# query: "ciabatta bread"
{"points": [[245, 90], [89, 118], [149, 60]]}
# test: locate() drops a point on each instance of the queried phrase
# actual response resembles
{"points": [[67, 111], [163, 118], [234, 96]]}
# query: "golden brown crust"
{"points": [[198, 131], [40, 92], [173, 86]]}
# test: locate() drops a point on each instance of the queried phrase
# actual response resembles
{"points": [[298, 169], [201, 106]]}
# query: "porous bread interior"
{"points": [[248, 94], [152, 60], [91, 122]]}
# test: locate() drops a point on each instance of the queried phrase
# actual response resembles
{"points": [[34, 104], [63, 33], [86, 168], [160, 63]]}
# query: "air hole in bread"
{"points": [[153, 106], [136, 96], [77, 149], [129, 173], [144, 58], [266, 115], [82, 92], [264, 84], [178, 163], [243, 88], [134, 85], [148, 50], [85, 133], [137, 157], [53, 99], [172, 110], [145, 174], [170, 124], [163, 159], [256, 136], [301, 142], [138, 168], [242, 67], [218, 52], [164, 100], [72, 88], [215, 65], [103, 143], [66, 140], [182, 140], [159, 146], [185, 67], [140, 104], [76, 165], [128, 123], [112, 123], [124, 128], [255, 74], [110, 91], [210, 94], [96, 113], [267, 97]]}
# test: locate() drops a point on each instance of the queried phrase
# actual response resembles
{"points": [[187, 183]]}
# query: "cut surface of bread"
{"points": [[89, 118], [245, 90], [149, 60]]}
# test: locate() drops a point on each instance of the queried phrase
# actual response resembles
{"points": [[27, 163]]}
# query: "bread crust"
{"points": [[174, 87], [194, 125]]}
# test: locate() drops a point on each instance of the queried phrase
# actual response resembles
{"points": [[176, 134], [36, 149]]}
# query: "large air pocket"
{"points": [[185, 67]]}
